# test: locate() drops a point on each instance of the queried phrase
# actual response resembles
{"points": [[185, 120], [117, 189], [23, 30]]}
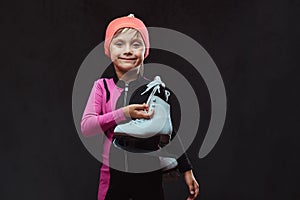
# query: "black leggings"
{"points": [[135, 186]]}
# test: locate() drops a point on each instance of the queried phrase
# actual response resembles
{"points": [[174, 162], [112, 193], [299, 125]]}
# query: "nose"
{"points": [[127, 50]]}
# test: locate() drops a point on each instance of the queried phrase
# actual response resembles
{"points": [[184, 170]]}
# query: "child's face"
{"points": [[127, 51]]}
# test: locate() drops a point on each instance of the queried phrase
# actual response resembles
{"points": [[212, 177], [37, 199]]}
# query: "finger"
{"points": [[192, 194], [191, 189], [146, 115], [151, 113], [140, 106], [196, 189], [146, 107], [191, 197], [141, 114]]}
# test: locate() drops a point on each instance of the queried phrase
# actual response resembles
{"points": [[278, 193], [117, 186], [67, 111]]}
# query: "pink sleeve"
{"points": [[92, 122]]}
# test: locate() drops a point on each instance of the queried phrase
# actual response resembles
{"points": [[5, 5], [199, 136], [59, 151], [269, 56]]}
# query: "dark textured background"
{"points": [[255, 45]]}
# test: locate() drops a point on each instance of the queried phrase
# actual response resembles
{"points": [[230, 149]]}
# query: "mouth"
{"points": [[127, 58]]}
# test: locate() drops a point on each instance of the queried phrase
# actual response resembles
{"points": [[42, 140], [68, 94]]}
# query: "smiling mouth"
{"points": [[127, 58]]}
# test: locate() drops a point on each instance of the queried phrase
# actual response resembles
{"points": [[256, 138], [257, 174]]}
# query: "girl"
{"points": [[127, 45]]}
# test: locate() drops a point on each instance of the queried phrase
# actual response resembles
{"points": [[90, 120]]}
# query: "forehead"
{"points": [[127, 33]]}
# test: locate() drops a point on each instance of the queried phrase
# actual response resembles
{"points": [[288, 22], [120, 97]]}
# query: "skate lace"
{"points": [[155, 84]]}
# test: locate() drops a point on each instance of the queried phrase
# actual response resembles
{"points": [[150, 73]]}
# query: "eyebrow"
{"points": [[137, 40], [133, 40]]}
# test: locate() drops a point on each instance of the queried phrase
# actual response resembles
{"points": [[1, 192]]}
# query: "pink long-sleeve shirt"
{"points": [[100, 117]]}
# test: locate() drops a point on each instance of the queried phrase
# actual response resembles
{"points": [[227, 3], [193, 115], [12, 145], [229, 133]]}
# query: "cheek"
{"points": [[140, 54], [114, 54]]}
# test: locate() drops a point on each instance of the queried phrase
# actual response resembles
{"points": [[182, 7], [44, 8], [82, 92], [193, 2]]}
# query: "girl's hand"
{"points": [[137, 111], [192, 184]]}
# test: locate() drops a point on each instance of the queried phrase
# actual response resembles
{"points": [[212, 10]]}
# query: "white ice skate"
{"points": [[160, 123]]}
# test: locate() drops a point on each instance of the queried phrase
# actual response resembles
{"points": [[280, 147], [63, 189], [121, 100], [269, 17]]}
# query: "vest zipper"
{"points": [[124, 104], [125, 94]]}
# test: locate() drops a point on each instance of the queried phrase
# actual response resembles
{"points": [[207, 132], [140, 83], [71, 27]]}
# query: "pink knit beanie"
{"points": [[126, 22]]}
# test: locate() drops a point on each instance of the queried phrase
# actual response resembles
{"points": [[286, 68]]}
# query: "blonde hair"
{"points": [[124, 30], [136, 35]]}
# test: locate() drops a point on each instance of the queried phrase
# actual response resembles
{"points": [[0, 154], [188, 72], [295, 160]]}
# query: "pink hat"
{"points": [[126, 22]]}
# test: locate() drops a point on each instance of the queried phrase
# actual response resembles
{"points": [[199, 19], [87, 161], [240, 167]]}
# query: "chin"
{"points": [[126, 68]]}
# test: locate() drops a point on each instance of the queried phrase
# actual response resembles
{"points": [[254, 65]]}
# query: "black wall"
{"points": [[255, 45]]}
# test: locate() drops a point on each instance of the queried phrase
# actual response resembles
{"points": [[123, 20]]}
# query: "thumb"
{"points": [[191, 188]]}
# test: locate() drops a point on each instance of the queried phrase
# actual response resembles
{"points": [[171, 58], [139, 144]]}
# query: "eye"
{"points": [[118, 44], [137, 45]]}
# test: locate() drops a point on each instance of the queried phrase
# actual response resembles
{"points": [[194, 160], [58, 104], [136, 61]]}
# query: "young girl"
{"points": [[127, 45]]}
